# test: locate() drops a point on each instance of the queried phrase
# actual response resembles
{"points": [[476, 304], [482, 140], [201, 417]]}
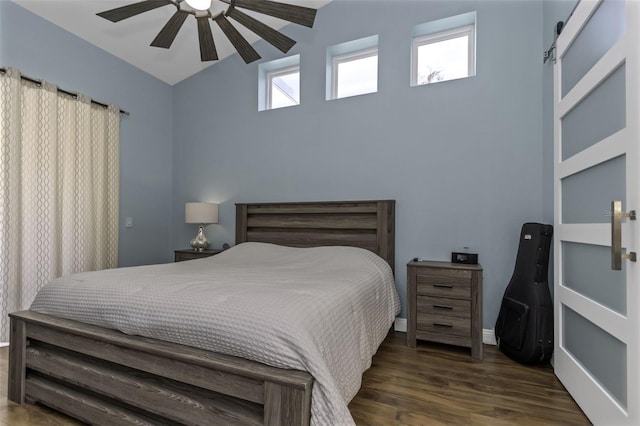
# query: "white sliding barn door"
{"points": [[596, 144]]}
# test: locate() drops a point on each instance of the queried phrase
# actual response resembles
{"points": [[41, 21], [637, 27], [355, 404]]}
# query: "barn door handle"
{"points": [[616, 235]]}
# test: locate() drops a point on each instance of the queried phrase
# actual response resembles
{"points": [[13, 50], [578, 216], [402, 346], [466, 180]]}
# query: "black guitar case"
{"points": [[524, 329]]}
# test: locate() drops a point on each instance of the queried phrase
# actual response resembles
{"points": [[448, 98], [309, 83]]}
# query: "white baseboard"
{"points": [[400, 325], [488, 335]]}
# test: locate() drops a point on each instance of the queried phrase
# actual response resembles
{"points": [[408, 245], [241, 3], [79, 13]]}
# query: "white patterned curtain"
{"points": [[59, 183]]}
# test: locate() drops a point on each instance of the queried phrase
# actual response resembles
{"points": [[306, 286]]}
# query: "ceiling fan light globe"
{"points": [[199, 4]]}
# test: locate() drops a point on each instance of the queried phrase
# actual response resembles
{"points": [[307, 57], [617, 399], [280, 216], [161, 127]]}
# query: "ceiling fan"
{"points": [[200, 9]]}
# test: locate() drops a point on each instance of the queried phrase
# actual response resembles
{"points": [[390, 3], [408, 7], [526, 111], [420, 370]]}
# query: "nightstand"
{"points": [[190, 254], [445, 304]]}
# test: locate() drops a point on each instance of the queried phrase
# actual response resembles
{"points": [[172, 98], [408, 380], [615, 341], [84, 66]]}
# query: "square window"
{"points": [[283, 88], [352, 68], [355, 74], [444, 55], [279, 83]]}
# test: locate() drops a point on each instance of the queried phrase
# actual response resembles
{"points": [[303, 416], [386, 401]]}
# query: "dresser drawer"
{"points": [[459, 308], [182, 255], [445, 325], [434, 285]]}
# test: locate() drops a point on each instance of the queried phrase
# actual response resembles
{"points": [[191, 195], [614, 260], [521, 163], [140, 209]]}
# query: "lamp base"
{"points": [[200, 242]]}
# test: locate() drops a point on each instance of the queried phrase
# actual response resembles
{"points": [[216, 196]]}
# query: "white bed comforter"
{"points": [[324, 310]]}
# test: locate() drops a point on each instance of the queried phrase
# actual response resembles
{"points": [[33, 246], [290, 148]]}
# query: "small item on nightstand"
{"points": [[464, 257]]}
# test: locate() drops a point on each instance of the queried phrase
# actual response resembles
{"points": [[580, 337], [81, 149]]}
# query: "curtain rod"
{"points": [[66, 92]]}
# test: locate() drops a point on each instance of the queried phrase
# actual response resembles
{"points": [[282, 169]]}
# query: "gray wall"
{"points": [[463, 159], [42, 50]]}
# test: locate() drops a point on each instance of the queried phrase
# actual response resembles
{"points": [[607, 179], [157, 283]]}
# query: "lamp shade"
{"points": [[201, 213], [199, 4]]}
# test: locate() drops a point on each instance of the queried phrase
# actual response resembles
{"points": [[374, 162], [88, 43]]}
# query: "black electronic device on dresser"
{"points": [[464, 257], [524, 329]]}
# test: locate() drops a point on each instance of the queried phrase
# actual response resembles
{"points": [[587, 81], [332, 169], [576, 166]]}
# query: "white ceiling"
{"points": [[129, 39]]}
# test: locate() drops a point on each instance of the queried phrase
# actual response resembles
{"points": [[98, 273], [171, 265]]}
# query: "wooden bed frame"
{"points": [[106, 377]]}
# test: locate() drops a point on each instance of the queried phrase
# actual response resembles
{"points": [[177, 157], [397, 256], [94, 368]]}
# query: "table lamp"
{"points": [[202, 214]]}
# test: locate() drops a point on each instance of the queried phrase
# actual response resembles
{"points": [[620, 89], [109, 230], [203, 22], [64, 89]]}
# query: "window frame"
{"points": [[419, 41], [270, 75], [336, 60]]}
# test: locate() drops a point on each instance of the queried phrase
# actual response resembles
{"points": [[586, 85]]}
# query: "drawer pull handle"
{"points": [[437, 324], [443, 307], [443, 285]]}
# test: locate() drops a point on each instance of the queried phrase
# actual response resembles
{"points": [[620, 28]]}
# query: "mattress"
{"points": [[324, 310]]}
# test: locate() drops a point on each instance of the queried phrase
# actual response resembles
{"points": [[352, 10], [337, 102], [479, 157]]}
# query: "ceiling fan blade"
{"points": [[275, 38], [170, 30], [241, 44], [207, 46], [124, 12], [289, 12]]}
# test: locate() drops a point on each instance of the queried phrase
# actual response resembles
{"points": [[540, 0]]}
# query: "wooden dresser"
{"points": [[445, 304]]}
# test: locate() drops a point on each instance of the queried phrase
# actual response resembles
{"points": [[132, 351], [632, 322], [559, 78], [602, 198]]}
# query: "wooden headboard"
{"points": [[365, 224]]}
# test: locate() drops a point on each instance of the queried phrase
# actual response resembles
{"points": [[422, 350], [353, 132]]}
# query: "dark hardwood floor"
{"points": [[430, 385], [438, 384]]}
